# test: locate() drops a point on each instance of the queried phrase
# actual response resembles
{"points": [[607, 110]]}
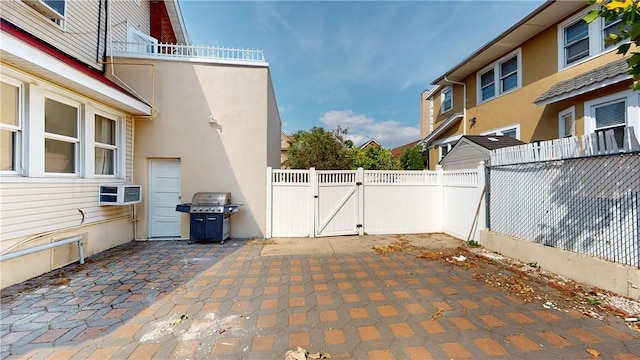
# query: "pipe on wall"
{"points": [[464, 103]]}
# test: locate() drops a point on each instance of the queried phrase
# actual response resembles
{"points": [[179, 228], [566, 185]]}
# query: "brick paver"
{"points": [[176, 300]]}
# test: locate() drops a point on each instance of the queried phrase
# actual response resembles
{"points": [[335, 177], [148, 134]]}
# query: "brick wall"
{"points": [[161, 28]]}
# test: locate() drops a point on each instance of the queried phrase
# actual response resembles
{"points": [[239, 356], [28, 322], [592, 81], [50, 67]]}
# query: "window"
{"points": [[105, 141], [505, 73], [10, 130], [446, 99], [52, 9], [511, 130], [139, 42], [578, 41], [611, 116], [445, 148], [61, 137], [566, 123], [487, 85], [509, 74], [613, 112]]}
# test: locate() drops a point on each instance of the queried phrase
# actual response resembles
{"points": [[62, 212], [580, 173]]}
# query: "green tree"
{"points": [[411, 159], [628, 30], [324, 150], [373, 158]]}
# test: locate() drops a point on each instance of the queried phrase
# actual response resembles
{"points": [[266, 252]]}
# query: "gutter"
{"points": [[444, 126]]}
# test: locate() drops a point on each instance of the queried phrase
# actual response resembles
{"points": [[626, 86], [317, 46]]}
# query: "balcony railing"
{"points": [[177, 51]]}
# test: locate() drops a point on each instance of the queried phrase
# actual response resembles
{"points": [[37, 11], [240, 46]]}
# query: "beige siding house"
{"points": [[548, 76], [74, 116]]}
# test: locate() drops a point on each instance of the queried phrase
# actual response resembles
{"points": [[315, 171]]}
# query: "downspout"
{"points": [[106, 16], [98, 39], [464, 103], [153, 77]]}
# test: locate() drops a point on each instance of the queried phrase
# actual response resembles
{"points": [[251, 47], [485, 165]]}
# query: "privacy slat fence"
{"points": [[309, 203], [581, 196]]}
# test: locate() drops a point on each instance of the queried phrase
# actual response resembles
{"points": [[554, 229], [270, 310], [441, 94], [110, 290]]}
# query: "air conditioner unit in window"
{"points": [[53, 9], [119, 194]]}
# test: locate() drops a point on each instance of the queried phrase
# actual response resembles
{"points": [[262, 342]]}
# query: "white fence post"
{"points": [[481, 212], [313, 204], [360, 191], [269, 230]]}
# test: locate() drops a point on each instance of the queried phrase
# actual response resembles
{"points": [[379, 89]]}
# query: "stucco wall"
{"points": [[231, 155], [539, 58]]}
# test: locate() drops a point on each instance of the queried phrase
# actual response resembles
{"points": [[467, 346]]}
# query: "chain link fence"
{"points": [[588, 205]]}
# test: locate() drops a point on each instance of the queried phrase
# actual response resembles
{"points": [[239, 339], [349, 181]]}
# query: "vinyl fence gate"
{"points": [[314, 203]]}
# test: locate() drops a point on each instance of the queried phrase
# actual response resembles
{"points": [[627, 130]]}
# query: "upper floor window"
{"points": [[446, 98], [52, 9], [105, 139], [10, 126], [578, 41], [499, 78], [61, 137]]}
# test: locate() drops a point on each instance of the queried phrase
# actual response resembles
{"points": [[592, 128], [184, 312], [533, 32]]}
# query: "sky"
{"points": [[358, 65]]}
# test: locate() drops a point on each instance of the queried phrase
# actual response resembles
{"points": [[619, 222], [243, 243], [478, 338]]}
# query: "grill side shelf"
{"points": [[183, 208]]}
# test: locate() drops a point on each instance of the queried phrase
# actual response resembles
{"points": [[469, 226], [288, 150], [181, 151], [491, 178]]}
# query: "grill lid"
{"points": [[211, 198]]}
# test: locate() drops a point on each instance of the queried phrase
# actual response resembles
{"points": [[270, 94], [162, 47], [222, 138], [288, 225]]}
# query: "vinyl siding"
{"points": [[464, 156], [30, 208], [79, 35], [135, 12], [77, 38], [128, 164]]}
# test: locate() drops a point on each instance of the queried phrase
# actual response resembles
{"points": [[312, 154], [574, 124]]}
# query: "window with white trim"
{"points": [[54, 10], [579, 41], [501, 77], [611, 116], [61, 137], [613, 112], [139, 42], [106, 145], [446, 148], [10, 126], [446, 99], [567, 123]]}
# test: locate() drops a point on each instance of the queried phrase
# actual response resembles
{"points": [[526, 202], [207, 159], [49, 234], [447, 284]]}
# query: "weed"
{"points": [[473, 243], [594, 301]]}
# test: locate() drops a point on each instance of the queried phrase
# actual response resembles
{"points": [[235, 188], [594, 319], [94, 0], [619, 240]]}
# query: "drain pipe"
{"points": [[464, 103]]}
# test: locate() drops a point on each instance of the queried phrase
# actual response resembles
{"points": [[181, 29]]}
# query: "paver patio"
{"points": [[174, 300]]}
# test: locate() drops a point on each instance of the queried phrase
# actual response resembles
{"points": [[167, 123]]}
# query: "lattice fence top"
{"points": [[600, 143]]}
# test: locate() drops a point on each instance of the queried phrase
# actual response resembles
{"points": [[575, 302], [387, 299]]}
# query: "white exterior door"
{"points": [[337, 203], [164, 195]]}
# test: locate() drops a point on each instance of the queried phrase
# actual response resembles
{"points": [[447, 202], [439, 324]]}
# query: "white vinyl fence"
{"points": [[312, 203]]}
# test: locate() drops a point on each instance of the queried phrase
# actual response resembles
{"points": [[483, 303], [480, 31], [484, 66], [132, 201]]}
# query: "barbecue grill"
{"points": [[210, 215]]}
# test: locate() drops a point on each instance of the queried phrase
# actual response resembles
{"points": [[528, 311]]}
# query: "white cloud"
{"points": [[389, 133]]}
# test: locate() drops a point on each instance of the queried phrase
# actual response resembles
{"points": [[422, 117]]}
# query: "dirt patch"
{"points": [[399, 245], [530, 283]]}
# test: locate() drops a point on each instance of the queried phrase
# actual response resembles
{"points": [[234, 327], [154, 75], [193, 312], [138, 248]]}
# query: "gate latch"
{"points": [[359, 183], [358, 225]]}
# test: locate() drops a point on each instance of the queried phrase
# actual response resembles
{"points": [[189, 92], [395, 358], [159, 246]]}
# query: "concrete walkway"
{"points": [[248, 300]]}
